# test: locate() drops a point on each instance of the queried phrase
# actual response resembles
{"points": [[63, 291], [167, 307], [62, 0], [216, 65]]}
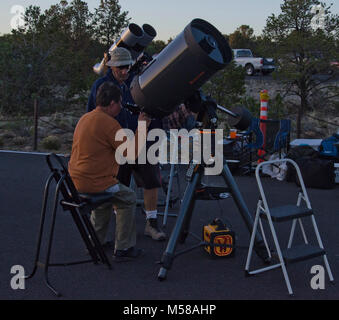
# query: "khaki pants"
{"points": [[124, 200]]}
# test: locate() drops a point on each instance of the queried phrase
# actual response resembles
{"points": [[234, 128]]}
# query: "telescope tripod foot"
{"points": [[162, 274]]}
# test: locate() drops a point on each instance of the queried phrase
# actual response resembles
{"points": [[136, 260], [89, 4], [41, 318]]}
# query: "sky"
{"points": [[170, 17]]}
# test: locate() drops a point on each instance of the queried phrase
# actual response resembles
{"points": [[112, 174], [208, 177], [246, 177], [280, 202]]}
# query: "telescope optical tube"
{"points": [[190, 60], [129, 38]]}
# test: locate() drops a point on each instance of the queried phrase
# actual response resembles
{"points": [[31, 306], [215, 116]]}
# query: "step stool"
{"points": [[281, 214]]}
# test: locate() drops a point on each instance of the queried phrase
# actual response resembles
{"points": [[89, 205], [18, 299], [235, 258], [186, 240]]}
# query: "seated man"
{"points": [[93, 167]]}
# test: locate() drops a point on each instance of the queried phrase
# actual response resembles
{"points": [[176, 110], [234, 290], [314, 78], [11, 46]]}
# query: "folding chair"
{"points": [[80, 206], [253, 140], [281, 214], [277, 137]]}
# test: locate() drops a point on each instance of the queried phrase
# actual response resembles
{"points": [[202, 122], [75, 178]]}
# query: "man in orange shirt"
{"points": [[93, 167]]}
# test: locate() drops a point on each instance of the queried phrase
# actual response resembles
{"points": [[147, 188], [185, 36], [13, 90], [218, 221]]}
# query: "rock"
{"points": [[56, 131]]}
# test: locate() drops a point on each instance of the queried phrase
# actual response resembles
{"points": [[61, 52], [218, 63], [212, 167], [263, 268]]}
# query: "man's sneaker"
{"points": [[127, 255], [153, 231]]}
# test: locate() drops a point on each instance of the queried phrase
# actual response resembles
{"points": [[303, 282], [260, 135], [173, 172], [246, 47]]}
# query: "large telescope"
{"points": [[180, 69], [133, 38]]}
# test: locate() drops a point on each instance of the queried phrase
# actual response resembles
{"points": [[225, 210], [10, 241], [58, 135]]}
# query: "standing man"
{"points": [[146, 175], [94, 168]]}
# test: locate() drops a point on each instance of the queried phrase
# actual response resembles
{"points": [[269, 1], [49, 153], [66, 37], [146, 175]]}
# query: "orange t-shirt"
{"points": [[93, 166]]}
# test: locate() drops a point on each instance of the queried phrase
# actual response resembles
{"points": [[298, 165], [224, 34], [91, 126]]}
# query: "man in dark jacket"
{"points": [[146, 175]]}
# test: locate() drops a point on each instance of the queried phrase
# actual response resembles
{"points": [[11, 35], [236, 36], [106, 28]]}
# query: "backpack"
{"points": [[295, 154], [316, 172]]}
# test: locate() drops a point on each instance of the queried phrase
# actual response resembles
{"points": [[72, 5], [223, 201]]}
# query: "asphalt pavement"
{"points": [[193, 276]]}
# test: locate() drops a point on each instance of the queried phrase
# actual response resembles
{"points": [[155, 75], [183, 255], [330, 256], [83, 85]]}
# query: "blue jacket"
{"points": [[126, 118]]}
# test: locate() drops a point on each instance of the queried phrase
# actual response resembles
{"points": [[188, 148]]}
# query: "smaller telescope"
{"points": [[133, 38]]}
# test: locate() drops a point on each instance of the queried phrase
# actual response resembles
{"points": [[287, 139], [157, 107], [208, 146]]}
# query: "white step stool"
{"points": [[286, 213]]}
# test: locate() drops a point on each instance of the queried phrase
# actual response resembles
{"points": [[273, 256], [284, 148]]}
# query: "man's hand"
{"points": [[144, 117]]}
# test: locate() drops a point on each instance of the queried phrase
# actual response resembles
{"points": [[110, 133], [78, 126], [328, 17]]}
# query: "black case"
{"points": [[317, 172]]}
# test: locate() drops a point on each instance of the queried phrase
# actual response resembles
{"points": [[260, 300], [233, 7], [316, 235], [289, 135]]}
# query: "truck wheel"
{"points": [[249, 69]]}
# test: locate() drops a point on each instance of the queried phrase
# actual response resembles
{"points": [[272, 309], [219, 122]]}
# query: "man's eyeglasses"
{"points": [[124, 67]]}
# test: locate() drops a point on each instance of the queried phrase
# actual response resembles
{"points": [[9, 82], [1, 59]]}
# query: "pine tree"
{"points": [[109, 21], [302, 51], [242, 37]]}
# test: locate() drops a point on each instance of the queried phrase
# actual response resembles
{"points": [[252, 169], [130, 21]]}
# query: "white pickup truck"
{"points": [[244, 58]]}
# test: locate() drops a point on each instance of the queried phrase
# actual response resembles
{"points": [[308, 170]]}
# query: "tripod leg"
{"points": [[259, 243], [186, 224], [168, 195], [181, 222], [50, 241], [229, 180]]}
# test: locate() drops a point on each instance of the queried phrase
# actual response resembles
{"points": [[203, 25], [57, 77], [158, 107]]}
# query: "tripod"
{"points": [[195, 172]]}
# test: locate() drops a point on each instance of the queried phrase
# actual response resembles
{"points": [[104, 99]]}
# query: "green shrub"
{"points": [[51, 143], [251, 104], [19, 141], [276, 108]]}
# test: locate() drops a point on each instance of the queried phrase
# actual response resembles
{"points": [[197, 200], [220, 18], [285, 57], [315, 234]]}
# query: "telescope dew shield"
{"points": [[136, 39], [241, 118], [181, 68], [129, 38], [149, 35]]}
